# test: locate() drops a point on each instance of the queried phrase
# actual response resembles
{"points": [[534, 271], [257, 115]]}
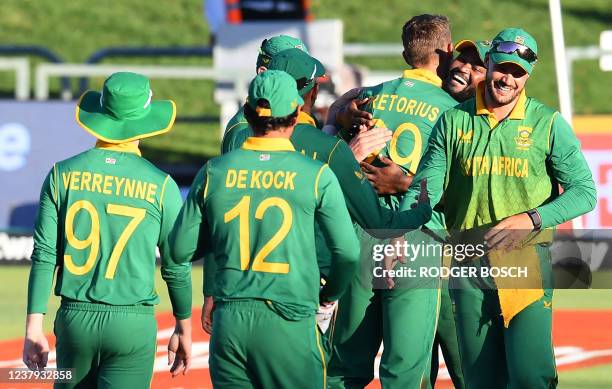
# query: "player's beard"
{"points": [[498, 96]]}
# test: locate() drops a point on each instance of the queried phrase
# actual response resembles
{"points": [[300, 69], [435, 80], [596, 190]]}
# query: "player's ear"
{"points": [[261, 69], [405, 57]]}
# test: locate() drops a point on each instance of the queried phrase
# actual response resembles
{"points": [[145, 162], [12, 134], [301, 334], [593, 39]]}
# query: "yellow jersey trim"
{"points": [[333, 151], [517, 113], [322, 354], [552, 120], [305, 118], [267, 144], [141, 136], [161, 196], [206, 185], [423, 75], [316, 189], [55, 183], [126, 147]]}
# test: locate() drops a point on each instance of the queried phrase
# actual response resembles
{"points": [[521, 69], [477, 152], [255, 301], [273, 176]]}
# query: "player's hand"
{"points": [[325, 313], [207, 311], [423, 195], [509, 233], [35, 350], [179, 348], [350, 116], [368, 141], [340, 103], [390, 261], [389, 179]]}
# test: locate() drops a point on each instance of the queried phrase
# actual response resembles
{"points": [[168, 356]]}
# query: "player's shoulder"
{"points": [[236, 120], [370, 91], [536, 107]]}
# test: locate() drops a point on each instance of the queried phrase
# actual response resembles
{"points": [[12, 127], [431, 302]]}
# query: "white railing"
{"points": [[21, 67]]}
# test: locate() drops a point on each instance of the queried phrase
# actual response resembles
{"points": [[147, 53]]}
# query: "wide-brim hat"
{"points": [[124, 110]]}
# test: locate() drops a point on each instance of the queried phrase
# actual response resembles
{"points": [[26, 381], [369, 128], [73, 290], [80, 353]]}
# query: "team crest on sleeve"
{"points": [[523, 140], [264, 157]]}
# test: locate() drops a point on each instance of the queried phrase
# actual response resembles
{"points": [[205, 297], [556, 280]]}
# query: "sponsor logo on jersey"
{"points": [[465, 137], [111, 161], [523, 140], [264, 157], [359, 174], [408, 83]]}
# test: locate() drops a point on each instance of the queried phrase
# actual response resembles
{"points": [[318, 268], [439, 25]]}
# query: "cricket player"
{"points": [[403, 318], [498, 158], [102, 215], [234, 136], [361, 200], [257, 207]]}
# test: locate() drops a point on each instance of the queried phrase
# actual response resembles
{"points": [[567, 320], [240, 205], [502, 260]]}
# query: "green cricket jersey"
{"points": [[102, 215], [361, 199], [489, 170], [258, 206], [409, 106], [235, 133]]}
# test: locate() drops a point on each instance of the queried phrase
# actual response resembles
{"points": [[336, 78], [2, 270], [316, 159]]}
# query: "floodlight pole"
{"points": [[563, 81], [561, 64]]}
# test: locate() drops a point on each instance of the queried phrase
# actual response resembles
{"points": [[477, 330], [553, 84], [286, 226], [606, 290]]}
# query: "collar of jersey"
{"points": [[423, 75], [128, 147], [305, 118], [518, 112], [267, 144]]}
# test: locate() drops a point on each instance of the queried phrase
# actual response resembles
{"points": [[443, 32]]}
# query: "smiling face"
{"points": [[505, 82], [466, 72]]}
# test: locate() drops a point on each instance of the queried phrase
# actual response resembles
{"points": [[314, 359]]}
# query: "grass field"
{"points": [[13, 292], [75, 30]]}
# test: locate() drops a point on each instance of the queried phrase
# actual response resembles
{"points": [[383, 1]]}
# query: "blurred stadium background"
{"points": [[172, 38]]}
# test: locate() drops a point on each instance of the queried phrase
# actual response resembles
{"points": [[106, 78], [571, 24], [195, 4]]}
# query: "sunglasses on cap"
{"points": [[523, 51]]}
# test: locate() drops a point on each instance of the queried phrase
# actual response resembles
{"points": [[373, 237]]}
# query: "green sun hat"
{"points": [[482, 47], [272, 46], [526, 57], [124, 111], [279, 89], [302, 67]]}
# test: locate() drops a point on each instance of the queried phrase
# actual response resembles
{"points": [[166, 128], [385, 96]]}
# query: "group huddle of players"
{"points": [[284, 218]]}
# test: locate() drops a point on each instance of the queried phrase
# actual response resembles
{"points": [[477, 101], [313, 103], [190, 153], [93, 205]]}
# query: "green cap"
{"points": [[516, 35], [302, 67], [279, 89], [272, 46], [124, 111], [482, 47]]}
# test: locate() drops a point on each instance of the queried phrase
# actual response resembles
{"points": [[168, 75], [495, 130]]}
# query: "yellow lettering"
{"points": [[96, 183], [525, 172], [508, 166], [85, 180], [108, 182], [152, 188], [289, 180], [375, 101], [278, 184], [66, 179], [424, 110], [393, 98], [255, 177], [411, 104], [118, 185], [129, 188], [74, 180], [230, 179], [266, 180], [382, 102], [517, 172], [484, 167], [141, 189], [433, 114], [401, 104], [495, 167], [242, 177]]}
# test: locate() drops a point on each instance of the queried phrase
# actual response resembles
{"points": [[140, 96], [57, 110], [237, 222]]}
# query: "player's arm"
{"points": [[44, 260], [362, 201], [570, 169], [433, 167], [336, 225], [189, 237], [177, 275]]}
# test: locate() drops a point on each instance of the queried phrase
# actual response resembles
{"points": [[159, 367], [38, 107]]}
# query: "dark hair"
{"points": [[263, 124], [423, 35]]}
